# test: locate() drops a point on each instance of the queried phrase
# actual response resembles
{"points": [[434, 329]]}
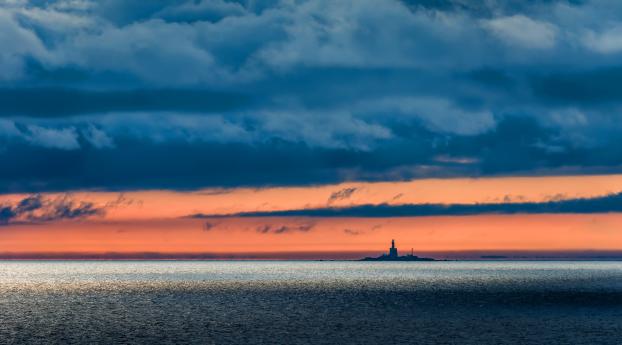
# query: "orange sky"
{"points": [[235, 235], [168, 204], [151, 221]]}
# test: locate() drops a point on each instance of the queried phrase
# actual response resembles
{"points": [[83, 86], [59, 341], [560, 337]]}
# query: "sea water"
{"points": [[298, 302]]}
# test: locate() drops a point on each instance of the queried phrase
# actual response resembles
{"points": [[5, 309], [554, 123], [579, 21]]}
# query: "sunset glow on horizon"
{"points": [[163, 222], [427, 234], [310, 171], [306, 126]]}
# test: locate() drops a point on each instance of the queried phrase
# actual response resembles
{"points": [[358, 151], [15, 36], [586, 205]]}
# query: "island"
{"points": [[393, 256]]}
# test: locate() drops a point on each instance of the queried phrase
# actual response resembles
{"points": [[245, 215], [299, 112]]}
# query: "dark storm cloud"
{"points": [[118, 94], [516, 145], [604, 204]]}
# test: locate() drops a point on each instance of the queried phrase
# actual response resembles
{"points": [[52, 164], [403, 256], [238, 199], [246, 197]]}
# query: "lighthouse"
{"points": [[393, 250]]}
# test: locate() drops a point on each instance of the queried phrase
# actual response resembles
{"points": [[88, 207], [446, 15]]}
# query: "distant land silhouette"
{"points": [[393, 256]]}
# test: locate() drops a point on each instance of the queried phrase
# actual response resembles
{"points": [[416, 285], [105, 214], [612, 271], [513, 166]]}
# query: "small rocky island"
{"points": [[393, 256]]}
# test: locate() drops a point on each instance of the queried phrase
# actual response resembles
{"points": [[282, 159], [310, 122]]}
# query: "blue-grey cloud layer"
{"points": [[133, 94]]}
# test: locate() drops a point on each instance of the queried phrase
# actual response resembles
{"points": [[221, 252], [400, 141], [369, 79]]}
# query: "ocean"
{"points": [[303, 302]]}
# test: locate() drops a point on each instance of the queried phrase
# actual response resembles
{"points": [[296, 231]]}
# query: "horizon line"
{"points": [[480, 255]]}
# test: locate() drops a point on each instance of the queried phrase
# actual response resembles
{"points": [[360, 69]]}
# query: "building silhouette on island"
{"points": [[393, 256], [393, 250]]}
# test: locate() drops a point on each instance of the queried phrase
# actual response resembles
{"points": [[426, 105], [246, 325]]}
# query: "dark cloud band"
{"points": [[604, 204]]}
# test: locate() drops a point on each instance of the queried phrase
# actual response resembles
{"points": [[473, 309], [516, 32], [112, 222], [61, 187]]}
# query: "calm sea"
{"points": [[268, 302]]}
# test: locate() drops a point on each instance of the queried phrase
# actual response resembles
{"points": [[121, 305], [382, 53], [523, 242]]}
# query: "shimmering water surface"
{"points": [[175, 302]]}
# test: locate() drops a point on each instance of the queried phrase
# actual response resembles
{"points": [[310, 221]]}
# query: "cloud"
{"points": [[436, 114], [603, 204], [128, 94], [356, 232], [285, 228], [8, 129], [67, 102], [397, 197], [352, 232], [18, 44], [98, 138], [605, 42], [208, 226], [122, 201], [37, 208], [341, 194], [205, 10], [63, 138], [223, 42], [523, 31], [189, 153]]}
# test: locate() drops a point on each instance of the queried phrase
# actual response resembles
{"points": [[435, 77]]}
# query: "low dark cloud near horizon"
{"points": [[280, 229], [39, 209], [602, 204], [181, 95]]}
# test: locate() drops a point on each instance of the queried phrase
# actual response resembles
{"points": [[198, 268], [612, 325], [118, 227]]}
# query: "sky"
{"points": [[310, 128]]}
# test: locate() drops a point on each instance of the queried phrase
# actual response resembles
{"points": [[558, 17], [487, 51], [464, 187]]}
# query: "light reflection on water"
{"points": [[239, 271], [202, 302]]}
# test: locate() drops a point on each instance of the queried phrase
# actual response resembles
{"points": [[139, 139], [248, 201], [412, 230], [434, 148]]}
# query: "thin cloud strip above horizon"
{"points": [[604, 204], [467, 194]]}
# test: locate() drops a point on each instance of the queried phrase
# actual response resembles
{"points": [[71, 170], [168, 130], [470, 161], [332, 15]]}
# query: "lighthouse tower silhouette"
{"points": [[393, 250]]}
